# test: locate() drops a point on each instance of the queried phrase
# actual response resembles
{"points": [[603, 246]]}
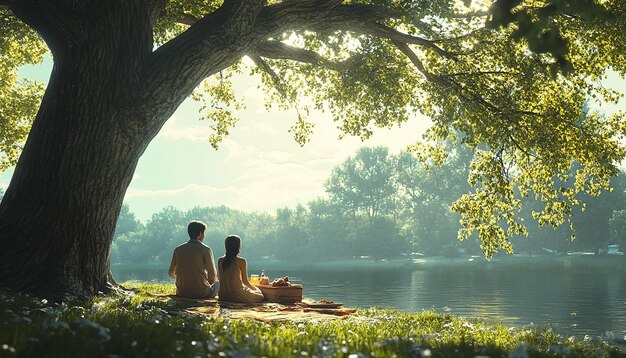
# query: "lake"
{"points": [[586, 302]]}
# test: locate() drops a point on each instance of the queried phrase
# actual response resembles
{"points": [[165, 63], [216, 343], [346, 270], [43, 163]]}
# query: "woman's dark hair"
{"points": [[232, 245]]}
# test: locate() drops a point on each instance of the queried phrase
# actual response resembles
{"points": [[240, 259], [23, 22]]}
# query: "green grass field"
{"points": [[136, 325]]}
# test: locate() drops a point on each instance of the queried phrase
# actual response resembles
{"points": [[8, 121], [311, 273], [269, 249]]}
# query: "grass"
{"points": [[139, 326]]}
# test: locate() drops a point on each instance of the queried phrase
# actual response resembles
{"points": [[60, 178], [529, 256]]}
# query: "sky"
{"points": [[259, 167]]}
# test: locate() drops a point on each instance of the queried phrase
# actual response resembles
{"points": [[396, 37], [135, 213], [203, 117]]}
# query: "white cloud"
{"points": [[175, 129], [271, 168], [259, 167], [251, 154], [187, 189], [254, 97], [261, 195], [278, 173], [262, 124]]}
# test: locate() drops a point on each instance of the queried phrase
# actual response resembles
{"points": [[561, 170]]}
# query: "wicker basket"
{"points": [[282, 294]]}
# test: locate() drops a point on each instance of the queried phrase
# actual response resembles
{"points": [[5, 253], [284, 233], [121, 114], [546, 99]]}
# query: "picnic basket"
{"points": [[282, 294]]}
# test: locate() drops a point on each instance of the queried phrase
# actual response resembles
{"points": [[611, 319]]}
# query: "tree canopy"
{"points": [[517, 102]]}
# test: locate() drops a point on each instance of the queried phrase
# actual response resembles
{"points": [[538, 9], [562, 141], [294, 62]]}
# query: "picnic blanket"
{"points": [[264, 311]]}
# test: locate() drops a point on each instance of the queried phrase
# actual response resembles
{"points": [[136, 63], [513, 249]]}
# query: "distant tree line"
{"points": [[378, 205]]}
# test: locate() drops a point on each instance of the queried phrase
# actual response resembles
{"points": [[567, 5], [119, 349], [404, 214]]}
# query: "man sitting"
{"points": [[192, 265]]}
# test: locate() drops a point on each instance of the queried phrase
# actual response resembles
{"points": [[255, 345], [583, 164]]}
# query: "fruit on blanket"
{"points": [[281, 282]]}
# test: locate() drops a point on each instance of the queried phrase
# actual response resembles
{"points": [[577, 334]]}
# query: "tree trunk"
{"points": [[59, 212], [108, 96]]}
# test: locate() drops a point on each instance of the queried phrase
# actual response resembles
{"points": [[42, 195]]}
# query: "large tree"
{"points": [[122, 67], [364, 184]]}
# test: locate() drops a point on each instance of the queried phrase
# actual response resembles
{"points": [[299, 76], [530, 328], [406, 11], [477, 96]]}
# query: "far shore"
{"points": [[573, 262]]}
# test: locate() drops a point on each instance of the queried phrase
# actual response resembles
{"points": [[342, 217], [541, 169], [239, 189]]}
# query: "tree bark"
{"points": [[59, 212]]}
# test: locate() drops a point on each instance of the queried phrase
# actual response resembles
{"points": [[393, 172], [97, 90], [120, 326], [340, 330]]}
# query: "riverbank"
{"points": [[138, 325], [573, 263]]}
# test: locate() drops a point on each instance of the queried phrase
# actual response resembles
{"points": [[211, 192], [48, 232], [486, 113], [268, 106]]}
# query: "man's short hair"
{"points": [[195, 228]]}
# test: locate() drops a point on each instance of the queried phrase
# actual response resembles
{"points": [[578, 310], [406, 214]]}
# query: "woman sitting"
{"points": [[232, 271]]}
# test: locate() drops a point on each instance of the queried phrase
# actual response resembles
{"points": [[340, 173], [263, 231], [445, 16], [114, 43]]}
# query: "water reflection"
{"points": [[573, 303]]}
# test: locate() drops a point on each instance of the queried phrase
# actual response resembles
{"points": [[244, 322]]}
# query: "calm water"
{"points": [[572, 303]]}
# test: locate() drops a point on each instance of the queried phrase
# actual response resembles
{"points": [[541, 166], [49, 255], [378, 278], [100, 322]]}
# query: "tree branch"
{"points": [[519, 147], [408, 52], [441, 81], [470, 15], [311, 15], [241, 14], [187, 19], [278, 84], [222, 37], [477, 73], [395, 35], [456, 38], [51, 19], [210, 45], [155, 9], [306, 15], [281, 51], [449, 83]]}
